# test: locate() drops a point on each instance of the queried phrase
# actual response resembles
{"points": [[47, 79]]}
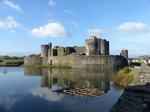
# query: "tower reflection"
{"points": [[94, 78]]}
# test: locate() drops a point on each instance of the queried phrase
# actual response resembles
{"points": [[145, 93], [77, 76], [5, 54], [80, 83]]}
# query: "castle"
{"points": [[95, 54]]}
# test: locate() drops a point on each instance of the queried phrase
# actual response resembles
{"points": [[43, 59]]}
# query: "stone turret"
{"points": [[44, 49], [91, 46], [96, 46], [124, 53]]}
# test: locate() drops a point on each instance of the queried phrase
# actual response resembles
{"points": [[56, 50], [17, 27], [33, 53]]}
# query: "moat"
{"points": [[31, 90]]}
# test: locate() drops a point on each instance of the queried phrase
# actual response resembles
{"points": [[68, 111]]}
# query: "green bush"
{"points": [[117, 78], [126, 80], [125, 76], [126, 69]]}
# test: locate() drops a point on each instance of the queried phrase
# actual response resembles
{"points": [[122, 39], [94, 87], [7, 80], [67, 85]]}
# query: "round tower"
{"points": [[103, 47], [44, 50], [91, 46]]}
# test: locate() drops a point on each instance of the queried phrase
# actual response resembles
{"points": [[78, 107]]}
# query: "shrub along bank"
{"points": [[125, 76]]}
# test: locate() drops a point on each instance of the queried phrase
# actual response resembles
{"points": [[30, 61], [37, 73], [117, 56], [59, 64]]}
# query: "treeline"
{"points": [[135, 64], [6, 57], [12, 58], [35, 55]]}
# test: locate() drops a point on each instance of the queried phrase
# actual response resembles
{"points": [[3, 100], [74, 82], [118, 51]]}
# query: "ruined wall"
{"points": [[60, 60], [101, 61], [79, 61], [124, 53], [45, 61], [61, 51], [36, 61], [69, 50], [79, 50], [32, 60]]}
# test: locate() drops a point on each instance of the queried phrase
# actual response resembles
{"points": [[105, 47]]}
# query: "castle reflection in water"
{"points": [[94, 78]]}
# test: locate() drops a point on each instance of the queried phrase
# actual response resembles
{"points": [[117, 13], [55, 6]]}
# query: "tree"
{"points": [[5, 57], [34, 55], [14, 58]]}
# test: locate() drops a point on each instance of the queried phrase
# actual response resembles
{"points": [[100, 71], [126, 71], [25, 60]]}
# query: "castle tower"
{"points": [[103, 47], [107, 47], [44, 50], [50, 45], [91, 46], [96, 46], [124, 53]]}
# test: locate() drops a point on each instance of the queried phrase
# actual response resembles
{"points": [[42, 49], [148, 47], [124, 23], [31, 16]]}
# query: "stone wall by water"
{"points": [[136, 98], [143, 76], [79, 61]]}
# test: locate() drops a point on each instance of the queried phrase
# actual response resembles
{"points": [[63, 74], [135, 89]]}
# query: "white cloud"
{"points": [[132, 28], [13, 6], [45, 93], [9, 23], [51, 3], [50, 30], [12, 31], [8, 101], [74, 23], [68, 11], [96, 32]]}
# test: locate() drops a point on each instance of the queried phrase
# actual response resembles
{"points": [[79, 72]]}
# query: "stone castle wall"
{"points": [[76, 61], [32, 60], [135, 97], [103, 61], [35, 61]]}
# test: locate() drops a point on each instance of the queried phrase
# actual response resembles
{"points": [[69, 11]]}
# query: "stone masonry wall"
{"points": [[136, 98], [76, 61], [32, 61], [101, 61], [142, 77]]}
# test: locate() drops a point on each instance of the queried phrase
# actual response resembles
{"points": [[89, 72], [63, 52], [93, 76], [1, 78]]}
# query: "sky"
{"points": [[27, 24]]}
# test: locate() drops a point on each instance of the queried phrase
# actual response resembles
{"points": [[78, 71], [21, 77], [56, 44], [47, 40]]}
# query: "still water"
{"points": [[31, 90]]}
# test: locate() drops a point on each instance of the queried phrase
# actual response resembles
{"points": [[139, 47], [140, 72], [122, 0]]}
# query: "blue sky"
{"points": [[26, 24]]}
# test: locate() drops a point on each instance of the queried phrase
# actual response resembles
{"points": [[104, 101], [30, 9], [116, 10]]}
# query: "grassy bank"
{"points": [[125, 76], [13, 60], [47, 66]]}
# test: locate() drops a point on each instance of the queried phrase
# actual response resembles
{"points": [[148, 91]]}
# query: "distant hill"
{"points": [[139, 57]]}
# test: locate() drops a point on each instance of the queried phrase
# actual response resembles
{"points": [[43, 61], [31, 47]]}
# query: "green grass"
{"points": [[13, 60], [134, 71], [125, 79], [47, 66]]}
